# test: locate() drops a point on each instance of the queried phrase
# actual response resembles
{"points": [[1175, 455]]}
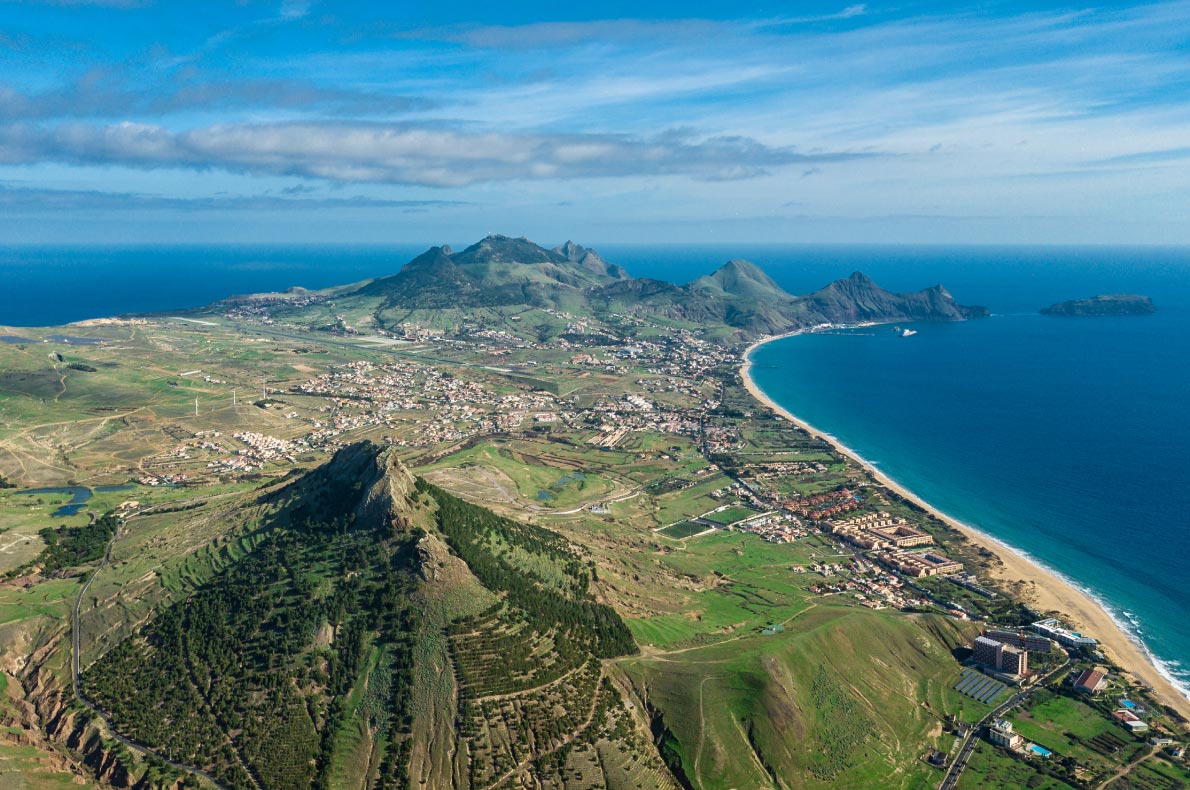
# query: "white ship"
{"points": [[908, 332]]}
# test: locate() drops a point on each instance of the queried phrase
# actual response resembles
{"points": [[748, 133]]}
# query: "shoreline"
{"points": [[1049, 589]]}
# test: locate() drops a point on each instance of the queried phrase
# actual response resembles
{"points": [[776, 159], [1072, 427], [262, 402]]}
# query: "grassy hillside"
{"points": [[850, 698]]}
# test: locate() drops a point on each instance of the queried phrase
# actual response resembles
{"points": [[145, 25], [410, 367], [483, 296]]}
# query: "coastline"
{"points": [[1049, 590]]}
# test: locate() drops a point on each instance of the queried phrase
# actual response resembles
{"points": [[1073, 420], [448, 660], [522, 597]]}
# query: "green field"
{"points": [[731, 515], [991, 768], [745, 584], [683, 529]]}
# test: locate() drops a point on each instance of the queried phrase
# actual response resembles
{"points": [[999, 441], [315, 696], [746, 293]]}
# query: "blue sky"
{"points": [[140, 121]]}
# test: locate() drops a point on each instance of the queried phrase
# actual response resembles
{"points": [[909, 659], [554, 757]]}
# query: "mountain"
{"points": [[738, 297], [858, 299], [496, 271], [741, 296], [590, 260], [380, 632], [743, 279], [1103, 305]]}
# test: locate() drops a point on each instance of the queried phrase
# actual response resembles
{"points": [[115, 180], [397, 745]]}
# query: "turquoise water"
{"points": [[1065, 438]]}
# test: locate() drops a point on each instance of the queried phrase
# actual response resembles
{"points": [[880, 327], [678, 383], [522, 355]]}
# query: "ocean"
{"points": [[1067, 439]]}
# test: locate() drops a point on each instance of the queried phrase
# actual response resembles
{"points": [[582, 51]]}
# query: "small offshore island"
{"points": [[1103, 305], [510, 517]]}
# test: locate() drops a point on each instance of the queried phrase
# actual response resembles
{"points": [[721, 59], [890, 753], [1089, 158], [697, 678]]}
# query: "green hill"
{"points": [[378, 625], [848, 698], [740, 278], [495, 271]]}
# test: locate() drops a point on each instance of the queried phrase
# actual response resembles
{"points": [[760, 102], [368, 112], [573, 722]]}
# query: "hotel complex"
{"points": [[1054, 629], [919, 564], [880, 531], [1020, 638], [1001, 657]]}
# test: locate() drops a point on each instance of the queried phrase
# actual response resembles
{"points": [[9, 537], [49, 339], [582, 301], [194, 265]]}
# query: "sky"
{"points": [[134, 121]]}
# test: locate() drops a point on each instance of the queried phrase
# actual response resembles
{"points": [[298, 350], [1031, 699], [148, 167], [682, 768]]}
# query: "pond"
{"points": [[79, 496]]}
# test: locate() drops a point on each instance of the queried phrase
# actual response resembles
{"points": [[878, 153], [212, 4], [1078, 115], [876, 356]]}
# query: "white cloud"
{"points": [[404, 154]]}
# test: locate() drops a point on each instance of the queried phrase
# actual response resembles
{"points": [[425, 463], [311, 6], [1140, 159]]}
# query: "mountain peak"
{"points": [[858, 298], [571, 251], [496, 248], [742, 278]]}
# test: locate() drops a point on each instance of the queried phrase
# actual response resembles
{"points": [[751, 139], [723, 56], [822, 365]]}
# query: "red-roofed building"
{"points": [[1129, 720], [1091, 681]]}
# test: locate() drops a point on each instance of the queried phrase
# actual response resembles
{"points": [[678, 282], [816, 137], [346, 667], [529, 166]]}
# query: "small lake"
{"points": [[79, 496]]}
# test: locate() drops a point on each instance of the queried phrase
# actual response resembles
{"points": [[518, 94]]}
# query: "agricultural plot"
{"points": [[731, 515], [683, 529], [525, 474], [1154, 775], [691, 501]]}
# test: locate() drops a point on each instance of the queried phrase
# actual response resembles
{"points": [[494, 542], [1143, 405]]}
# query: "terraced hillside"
{"points": [[383, 633]]}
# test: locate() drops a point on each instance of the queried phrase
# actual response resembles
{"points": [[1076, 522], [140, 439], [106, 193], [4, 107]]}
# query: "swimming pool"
{"points": [[1127, 703], [1040, 751]]}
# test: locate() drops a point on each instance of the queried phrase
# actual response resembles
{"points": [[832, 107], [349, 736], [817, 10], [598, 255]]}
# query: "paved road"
{"points": [[972, 740], [74, 676]]}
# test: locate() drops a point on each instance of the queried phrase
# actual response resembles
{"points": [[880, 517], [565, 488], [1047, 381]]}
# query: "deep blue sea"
{"points": [[1068, 439]]}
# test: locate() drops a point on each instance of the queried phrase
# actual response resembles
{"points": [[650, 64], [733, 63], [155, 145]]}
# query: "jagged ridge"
{"points": [[499, 270]]}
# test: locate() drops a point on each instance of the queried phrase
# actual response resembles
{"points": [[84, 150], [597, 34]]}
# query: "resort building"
{"points": [[985, 651], [1091, 681], [1001, 657], [1054, 629], [1014, 661], [902, 535], [1000, 733], [919, 564], [880, 531], [1020, 638]]}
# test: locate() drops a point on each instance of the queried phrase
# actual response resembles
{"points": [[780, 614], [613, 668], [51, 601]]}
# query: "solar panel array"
{"points": [[980, 687]]}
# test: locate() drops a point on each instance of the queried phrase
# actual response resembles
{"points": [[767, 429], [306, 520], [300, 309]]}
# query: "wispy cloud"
{"points": [[860, 110], [18, 199], [1147, 157], [401, 154], [103, 93]]}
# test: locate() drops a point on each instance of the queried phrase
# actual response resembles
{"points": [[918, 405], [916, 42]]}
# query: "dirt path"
{"points": [[702, 726], [569, 738], [527, 692], [1127, 769]]}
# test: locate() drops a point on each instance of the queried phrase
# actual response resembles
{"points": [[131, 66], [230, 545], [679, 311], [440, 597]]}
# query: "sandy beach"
{"points": [[1048, 591]]}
